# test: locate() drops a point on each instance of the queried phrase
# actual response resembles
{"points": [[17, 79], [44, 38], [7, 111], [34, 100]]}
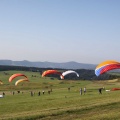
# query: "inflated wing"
{"points": [[69, 72], [106, 66], [21, 80], [47, 72], [16, 75]]}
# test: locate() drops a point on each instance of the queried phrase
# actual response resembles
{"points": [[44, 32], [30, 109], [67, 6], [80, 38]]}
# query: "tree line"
{"points": [[84, 74]]}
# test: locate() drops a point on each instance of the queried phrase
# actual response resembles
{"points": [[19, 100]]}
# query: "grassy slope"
{"points": [[61, 104]]}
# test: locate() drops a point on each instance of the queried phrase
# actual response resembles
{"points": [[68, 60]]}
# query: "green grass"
{"points": [[60, 104]]}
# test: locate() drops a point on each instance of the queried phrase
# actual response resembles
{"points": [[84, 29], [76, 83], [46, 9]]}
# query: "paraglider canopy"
{"points": [[16, 75], [69, 72], [47, 72], [113, 89], [106, 66], [21, 80]]}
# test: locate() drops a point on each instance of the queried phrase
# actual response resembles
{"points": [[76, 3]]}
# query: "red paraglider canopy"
{"points": [[113, 89]]}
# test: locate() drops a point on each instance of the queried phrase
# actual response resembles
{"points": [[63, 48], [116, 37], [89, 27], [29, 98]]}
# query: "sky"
{"points": [[84, 31]]}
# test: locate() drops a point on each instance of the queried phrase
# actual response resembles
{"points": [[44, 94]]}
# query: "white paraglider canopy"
{"points": [[69, 72]]}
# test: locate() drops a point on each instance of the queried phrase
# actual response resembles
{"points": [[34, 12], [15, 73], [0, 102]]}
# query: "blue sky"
{"points": [[85, 31]]}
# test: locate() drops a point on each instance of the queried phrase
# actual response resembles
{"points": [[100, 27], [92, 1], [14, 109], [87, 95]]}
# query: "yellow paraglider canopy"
{"points": [[21, 80]]}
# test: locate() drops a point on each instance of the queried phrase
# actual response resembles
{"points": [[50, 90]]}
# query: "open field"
{"points": [[60, 104]]}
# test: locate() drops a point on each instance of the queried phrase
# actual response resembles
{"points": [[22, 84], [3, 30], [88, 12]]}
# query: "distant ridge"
{"points": [[64, 65]]}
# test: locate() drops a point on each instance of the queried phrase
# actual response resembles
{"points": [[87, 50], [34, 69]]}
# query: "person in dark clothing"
{"points": [[13, 92], [31, 93], [100, 90], [43, 92], [3, 94], [48, 91], [68, 88], [39, 93], [18, 91]]}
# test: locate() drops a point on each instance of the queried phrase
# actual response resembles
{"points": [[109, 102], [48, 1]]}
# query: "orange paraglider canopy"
{"points": [[47, 72], [16, 75]]}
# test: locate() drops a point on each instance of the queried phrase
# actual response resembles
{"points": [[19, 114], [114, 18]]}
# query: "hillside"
{"points": [[64, 65]]}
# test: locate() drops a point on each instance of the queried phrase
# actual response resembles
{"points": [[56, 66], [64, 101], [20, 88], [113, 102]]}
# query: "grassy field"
{"points": [[60, 104]]}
